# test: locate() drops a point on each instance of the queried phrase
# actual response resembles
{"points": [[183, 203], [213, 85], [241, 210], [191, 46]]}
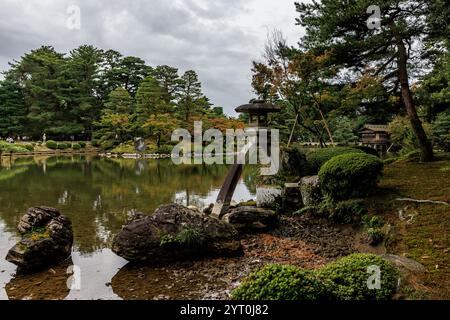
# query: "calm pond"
{"points": [[97, 194]]}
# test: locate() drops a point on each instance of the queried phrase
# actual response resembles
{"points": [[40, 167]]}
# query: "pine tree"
{"points": [[341, 26]]}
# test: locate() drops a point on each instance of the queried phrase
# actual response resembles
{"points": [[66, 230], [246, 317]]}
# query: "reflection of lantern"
{"points": [[258, 111]]}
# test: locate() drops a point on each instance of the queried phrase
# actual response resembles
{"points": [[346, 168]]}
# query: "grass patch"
{"points": [[426, 238]]}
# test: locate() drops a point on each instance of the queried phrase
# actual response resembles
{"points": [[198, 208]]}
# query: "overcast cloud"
{"points": [[218, 39]]}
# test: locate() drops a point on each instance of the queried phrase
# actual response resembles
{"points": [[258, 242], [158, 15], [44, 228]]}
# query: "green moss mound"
{"points": [[350, 175], [350, 277], [76, 146], [281, 282], [317, 157]]}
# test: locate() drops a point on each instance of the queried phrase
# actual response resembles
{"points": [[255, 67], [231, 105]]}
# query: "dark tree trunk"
{"points": [[416, 124]]}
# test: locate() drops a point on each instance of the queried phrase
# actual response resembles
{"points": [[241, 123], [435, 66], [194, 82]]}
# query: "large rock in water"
{"points": [[247, 218], [175, 233], [47, 239]]}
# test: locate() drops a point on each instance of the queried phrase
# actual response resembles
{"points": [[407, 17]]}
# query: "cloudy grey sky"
{"points": [[218, 39]]}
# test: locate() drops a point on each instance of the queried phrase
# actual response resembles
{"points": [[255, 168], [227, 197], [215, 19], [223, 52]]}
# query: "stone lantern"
{"points": [[258, 111]]}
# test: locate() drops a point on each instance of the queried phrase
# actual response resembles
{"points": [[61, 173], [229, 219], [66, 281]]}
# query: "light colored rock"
{"points": [[247, 218], [268, 196], [405, 263], [310, 189]]}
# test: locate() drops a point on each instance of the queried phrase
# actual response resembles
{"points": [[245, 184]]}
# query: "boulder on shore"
{"points": [[47, 239], [173, 233], [248, 219]]}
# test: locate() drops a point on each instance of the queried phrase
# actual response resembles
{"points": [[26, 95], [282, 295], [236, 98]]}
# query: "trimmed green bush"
{"points": [[82, 144], [107, 145], [164, 149], [317, 157], [350, 175], [293, 162], [367, 150], [6, 147], [62, 146], [281, 282], [350, 277], [29, 147], [76, 146], [52, 144], [96, 143]]}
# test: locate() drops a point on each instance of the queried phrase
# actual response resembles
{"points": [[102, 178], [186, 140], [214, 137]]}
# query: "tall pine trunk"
{"points": [[416, 124]]}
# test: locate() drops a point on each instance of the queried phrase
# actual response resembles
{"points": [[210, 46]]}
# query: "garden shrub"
{"points": [[375, 235], [76, 146], [107, 145], [344, 279], [347, 211], [125, 147], [6, 147], [367, 150], [82, 144], [95, 143], [372, 226], [281, 282], [372, 222], [293, 162], [51, 144], [317, 157], [349, 277], [164, 149], [350, 175], [62, 146], [29, 147]]}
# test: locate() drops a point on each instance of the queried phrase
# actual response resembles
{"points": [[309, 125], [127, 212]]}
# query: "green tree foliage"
{"points": [[119, 101], [92, 93], [341, 26], [150, 99], [168, 79], [190, 97], [39, 73], [82, 71], [441, 130], [12, 109]]}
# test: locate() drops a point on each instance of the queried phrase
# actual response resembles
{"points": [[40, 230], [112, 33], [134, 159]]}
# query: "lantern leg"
{"points": [[226, 192]]}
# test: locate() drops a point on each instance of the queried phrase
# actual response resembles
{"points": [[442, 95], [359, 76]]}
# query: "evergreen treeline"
{"points": [[101, 95]]}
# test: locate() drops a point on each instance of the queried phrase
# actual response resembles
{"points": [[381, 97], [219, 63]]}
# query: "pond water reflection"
{"points": [[97, 194]]}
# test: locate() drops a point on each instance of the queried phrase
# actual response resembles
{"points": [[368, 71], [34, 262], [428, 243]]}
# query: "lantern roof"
{"points": [[258, 106]]}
